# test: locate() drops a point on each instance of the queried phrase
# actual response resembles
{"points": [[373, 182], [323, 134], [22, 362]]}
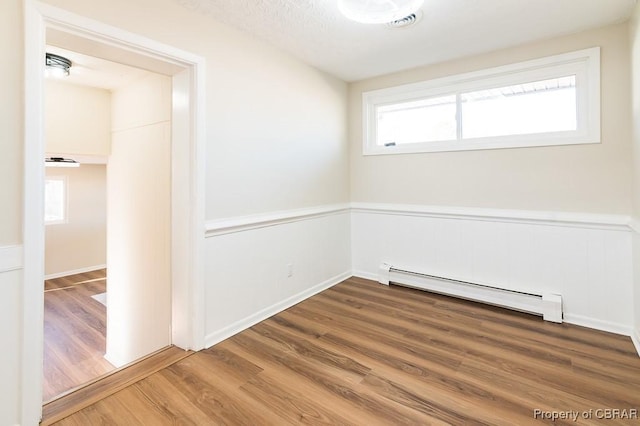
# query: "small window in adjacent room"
{"points": [[548, 101], [55, 200]]}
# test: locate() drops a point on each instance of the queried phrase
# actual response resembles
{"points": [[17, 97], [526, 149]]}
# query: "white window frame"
{"points": [[65, 201], [584, 64]]}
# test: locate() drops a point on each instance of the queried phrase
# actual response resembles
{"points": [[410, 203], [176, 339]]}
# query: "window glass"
{"points": [[520, 109], [425, 120]]}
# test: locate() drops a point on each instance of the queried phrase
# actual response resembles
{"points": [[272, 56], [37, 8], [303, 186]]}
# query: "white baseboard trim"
{"points": [[243, 324], [550, 218], [635, 338], [610, 327], [11, 258], [246, 223], [73, 272], [366, 275]]}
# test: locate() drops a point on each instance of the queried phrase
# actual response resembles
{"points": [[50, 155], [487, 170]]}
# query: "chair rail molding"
{"points": [[550, 218], [246, 223]]}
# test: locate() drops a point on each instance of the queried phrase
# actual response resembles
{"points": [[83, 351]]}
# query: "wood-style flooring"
{"points": [[111, 383], [74, 332], [366, 354]]}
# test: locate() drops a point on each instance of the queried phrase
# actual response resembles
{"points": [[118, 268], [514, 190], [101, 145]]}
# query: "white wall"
{"points": [[80, 243], [248, 272], [11, 122], [77, 119], [139, 220], [78, 122], [579, 178], [635, 110]]}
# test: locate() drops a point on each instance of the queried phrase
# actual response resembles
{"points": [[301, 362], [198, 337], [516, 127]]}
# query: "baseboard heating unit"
{"points": [[548, 305]]}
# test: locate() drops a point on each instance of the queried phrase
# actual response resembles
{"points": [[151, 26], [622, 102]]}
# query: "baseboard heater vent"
{"points": [[548, 305]]}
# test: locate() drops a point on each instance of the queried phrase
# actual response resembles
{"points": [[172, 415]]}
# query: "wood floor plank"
{"points": [[105, 386], [221, 401], [363, 353], [289, 403], [323, 396], [74, 338], [74, 279]]}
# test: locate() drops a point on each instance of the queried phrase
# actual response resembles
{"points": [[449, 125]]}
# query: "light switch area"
{"points": [[289, 270]]}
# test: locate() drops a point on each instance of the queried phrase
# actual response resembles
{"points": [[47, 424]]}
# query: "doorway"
{"points": [[111, 124], [44, 22]]}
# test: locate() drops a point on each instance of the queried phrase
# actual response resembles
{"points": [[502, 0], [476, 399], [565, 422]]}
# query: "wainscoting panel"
{"points": [[585, 258], [256, 267], [10, 258], [10, 318]]}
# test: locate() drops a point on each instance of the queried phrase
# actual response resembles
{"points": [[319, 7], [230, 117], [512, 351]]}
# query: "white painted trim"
{"points": [[262, 315], [246, 223], [567, 219], [11, 258], [32, 344], [607, 326], [39, 17], [365, 275], [635, 338], [579, 220], [74, 272], [634, 224]]}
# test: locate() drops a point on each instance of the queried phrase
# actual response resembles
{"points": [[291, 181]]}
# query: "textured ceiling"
{"points": [[316, 32]]}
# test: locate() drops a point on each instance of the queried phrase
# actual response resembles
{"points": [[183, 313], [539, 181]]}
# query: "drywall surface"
{"points": [[79, 243], [579, 178]]}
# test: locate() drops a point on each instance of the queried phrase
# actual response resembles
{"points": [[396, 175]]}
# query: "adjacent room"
{"points": [[337, 212], [105, 124]]}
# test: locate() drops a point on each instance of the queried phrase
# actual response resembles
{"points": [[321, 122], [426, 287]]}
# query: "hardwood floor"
{"points": [[362, 353], [74, 332], [110, 384], [73, 280]]}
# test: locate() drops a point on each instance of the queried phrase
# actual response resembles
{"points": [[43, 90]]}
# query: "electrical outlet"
{"points": [[289, 270]]}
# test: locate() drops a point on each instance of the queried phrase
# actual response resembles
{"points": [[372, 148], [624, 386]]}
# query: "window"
{"points": [[548, 101], [55, 200]]}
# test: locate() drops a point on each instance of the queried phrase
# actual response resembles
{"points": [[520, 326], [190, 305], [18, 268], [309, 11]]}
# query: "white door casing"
{"points": [[187, 167]]}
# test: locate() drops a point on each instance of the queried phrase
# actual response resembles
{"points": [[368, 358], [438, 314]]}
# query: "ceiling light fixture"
{"points": [[378, 11], [56, 65], [60, 162]]}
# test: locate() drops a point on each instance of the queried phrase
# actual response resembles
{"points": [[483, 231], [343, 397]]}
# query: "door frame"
{"points": [[187, 169]]}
